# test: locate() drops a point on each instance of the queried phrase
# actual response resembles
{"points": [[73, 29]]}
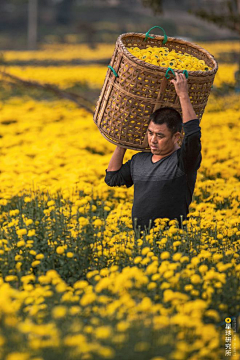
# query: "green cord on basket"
{"points": [[115, 73], [165, 36], [167, 76], [185, 73]]}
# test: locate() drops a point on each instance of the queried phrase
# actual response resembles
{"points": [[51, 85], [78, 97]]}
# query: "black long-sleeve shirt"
{"points": [[162, 189]]}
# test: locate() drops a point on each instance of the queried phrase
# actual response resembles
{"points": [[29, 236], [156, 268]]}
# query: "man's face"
{"points": [[160, 139]]}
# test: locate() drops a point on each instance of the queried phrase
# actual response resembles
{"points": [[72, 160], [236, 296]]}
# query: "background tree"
{"points": [[224, 13], [32, 24]]}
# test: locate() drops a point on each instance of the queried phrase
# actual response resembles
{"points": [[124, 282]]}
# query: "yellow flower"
{"points": [[70, 255], [217, 257], [60, 250], [61, 287], [137, 260], [223, 307], [103, 332], [195, 292], [119, 338], [184, 259], [203, 268], [177, 256], [104, 272], [74, 340], [88, 299], [122, 326], [18, 356], [195, 279], [18, 265], [82, 284], [21, 232], [83, 221], [168, 274], [188, 287], [145, 261], [31, 233], [165, 255], [20, 243], [176, 243], [155, 277], [35, 263], [97, 223], [14, 212], [213, 314], [151, 286], [44, 279], [106, 352], [145, 304], [145, 250], [39, 256], [74, 310], [59, 312], [195, 260], [28, 222], [9, 278]]}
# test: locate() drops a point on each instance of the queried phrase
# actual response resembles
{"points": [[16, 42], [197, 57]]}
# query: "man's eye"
{"points": [[160, 136]]}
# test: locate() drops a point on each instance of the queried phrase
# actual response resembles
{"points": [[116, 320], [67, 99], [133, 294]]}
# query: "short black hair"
{"points": [[169, 116]]}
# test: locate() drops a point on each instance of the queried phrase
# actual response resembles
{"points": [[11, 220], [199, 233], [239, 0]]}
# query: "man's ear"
{"points": [[177, 137]]}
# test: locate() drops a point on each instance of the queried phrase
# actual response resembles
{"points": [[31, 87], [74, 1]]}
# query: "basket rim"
{"points": [[170, 39]]}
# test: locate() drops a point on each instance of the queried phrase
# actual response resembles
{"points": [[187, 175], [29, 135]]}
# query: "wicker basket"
{"points": [[133, 89]]}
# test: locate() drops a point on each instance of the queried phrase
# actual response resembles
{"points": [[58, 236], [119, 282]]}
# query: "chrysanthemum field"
{"points": [[75, 282]]}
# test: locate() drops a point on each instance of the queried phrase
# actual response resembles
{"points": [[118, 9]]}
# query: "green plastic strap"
{"points": [[167, 76], [110, 67], [170, 69], [185, 72], [147, 34]]}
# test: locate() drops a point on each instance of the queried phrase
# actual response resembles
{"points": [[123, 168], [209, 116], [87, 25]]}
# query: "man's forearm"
{"points": [[188, 112], [181, 88], [117, 159]]}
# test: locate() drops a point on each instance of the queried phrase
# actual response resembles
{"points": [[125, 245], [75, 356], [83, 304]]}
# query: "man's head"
{"points": [[164, 130]]}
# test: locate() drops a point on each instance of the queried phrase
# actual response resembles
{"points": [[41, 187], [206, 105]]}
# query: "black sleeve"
{"points": [[190, 155], [120, 177]]}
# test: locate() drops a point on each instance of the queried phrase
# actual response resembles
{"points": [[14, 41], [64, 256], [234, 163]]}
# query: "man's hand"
{"points": [[181, 88], [181, 85]]}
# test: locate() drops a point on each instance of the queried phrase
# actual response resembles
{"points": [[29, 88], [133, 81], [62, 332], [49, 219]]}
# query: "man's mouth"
{"points": [[153, 147]]}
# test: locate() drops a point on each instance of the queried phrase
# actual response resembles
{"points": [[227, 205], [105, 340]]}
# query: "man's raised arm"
{"points": [[117, 159], [118, 174], [181, 88], [190, 158]]}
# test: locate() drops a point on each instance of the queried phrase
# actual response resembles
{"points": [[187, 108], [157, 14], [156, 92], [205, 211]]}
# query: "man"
{"points": [[163, 179]]}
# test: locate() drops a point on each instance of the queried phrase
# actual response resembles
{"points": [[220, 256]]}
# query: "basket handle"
{"points": [[148, 36], [167, 76], [115, 73]]}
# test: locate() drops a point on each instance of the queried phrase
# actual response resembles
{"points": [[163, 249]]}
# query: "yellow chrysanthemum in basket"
{"points": [[165, 58]]}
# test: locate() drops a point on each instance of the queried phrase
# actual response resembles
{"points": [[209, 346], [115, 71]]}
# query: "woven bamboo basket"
{"points": [[133, 89]]}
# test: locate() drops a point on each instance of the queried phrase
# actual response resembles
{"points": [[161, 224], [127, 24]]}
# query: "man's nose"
{"points": [[154, 138]]}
